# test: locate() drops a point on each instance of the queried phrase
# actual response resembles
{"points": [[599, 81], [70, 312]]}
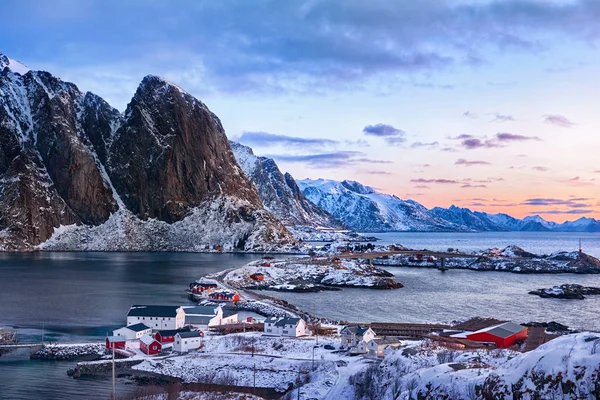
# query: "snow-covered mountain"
{"points": [[279, 193], [365, 210], [76, 174], [581, 225]]}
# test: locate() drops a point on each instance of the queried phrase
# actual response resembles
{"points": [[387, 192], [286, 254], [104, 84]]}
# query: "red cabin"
{"points": [[504, 335], [168, 335], [117, 342], [258, 276], [224, 296], [149, 345]]}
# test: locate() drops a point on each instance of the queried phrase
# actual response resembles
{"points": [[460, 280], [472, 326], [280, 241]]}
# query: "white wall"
{"points": [[186, 344]]}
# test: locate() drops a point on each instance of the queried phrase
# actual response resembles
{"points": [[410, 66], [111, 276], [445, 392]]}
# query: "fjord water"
{"points": [[81, 296]]}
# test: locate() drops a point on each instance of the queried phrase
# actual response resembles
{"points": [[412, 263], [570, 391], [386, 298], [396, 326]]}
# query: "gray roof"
{"points": [[200, 310], [198, 319], [387, 340], [113, 339], [282, 321], [137, 327], [191, 334], [229, 313], [172, 332], [357, 330], [152, 311], [503, 330]]}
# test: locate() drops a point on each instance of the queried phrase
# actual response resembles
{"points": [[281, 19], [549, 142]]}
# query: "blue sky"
{"points": [[486, 104]]}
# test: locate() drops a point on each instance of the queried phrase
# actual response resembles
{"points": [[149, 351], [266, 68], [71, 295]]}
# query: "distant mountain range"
{"points": [[364, 209]]}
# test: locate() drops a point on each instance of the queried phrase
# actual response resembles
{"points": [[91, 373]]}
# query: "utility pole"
{"points": [[313, 358], [298, 382], [114, 396], [42, 333], [254, 390]]}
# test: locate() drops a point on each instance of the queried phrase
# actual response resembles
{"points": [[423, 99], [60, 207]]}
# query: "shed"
{"points": [[149, 345], [116, 342], [503, 335], [186, 341]]}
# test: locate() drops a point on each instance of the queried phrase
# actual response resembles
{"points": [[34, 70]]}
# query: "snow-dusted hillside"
{"points": [[365, 210], [280, 193], [564, 368]]}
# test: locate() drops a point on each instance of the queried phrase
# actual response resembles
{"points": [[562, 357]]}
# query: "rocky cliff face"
{"points": [[68, 158], [279, 193]]}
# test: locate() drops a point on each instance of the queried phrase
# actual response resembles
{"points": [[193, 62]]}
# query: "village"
{"points": [[277, 350]]}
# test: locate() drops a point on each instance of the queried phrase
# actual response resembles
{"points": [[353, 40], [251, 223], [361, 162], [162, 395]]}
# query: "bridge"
{"points": [[34, 347]]}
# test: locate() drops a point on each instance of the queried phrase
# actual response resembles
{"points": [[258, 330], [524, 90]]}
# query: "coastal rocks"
{"points": [[566, 291], [64, 352], [100, 367], [552, 326], [510, 259], [306, 271]]}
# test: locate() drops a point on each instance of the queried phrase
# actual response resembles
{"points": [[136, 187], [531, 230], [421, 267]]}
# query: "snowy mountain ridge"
{"points": [[279, 193], [365, 209], [75, 174]]}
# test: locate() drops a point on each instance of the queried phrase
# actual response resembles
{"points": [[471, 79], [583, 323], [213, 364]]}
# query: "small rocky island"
{"points": [[566, 291], [510, 259], [310, 276]]}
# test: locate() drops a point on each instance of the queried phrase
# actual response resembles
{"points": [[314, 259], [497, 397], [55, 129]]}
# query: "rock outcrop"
{"points": [[161, 176]]}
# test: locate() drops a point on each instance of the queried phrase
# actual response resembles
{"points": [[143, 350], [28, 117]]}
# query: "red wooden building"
{"points": [[168, 335], [504, 335], [258, 276], [224, 295], [200, 287], [118, 342], [149, 345]]}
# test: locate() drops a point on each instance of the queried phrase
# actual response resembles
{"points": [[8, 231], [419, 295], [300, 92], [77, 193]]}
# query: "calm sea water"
{"points": [[81, 296]]}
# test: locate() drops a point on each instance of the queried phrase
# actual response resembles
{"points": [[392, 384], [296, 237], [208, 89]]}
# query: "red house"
{"points": [[258, 276], [199, 287], [149, 345], [503, 335], [224, 296], [168, 336], [118, 342]]}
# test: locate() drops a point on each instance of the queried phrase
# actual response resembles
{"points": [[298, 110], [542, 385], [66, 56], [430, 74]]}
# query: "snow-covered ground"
{"points": [[274, 362], [509, 259], [566, 367], [291, 273]]}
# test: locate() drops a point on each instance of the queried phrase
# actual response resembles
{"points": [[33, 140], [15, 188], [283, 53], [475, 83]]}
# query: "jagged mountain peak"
{"points": [[13, 65], [357, 187], [280, 193]]}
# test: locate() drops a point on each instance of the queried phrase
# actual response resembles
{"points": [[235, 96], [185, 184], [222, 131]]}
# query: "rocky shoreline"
{"points": [[567, 291], [69, 352], [510, 259]]}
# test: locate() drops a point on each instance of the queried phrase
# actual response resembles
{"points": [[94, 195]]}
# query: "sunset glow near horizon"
{"points": [[491, 105]]}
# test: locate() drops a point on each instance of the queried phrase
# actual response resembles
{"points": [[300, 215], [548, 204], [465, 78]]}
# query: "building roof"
{"points": [[282, 321], [147, 339], [357, 330], [198, 319], [137, 327], [201, 310], [386, 340], [153, 311], [229, 313], [503, 330], [113, 339], [190, 334], [172, 332]]}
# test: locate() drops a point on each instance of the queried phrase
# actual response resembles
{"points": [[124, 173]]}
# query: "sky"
{"points": [[491, 105]]}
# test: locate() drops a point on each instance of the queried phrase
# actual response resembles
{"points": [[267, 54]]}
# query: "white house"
{"points": [[380, 347], [285, 326], [353, 336], [186, 341], [157, 317], [133, 332], [203, 317]]}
